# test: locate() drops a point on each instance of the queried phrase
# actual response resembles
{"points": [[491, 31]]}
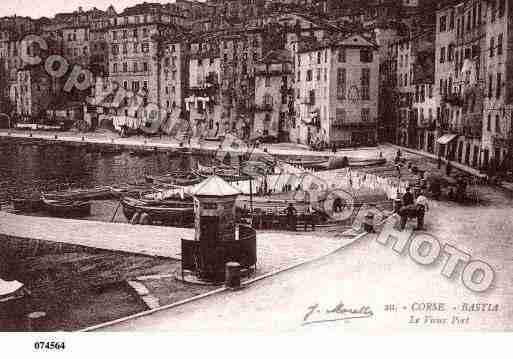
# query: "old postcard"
{"points": [[244, 166]]}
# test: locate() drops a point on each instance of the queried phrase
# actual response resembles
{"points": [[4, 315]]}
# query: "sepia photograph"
{"points": [[255, 166]]}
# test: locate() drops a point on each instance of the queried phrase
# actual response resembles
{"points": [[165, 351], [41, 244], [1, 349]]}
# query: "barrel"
{"points": [[233, 275], [35, 321]]}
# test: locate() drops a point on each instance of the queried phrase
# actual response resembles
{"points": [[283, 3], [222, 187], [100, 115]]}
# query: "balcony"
{"points": [[427, 125], [500, 140], [357, 125], [471, 36], [262, 107], [453, 100]]}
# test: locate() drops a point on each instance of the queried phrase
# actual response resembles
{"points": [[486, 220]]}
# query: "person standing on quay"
{"points": [[448, 168], [291, 217]]}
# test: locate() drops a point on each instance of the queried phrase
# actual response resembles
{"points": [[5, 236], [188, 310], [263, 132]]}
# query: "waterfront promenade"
{"points": [[167, 143], [275, 250], [365, 273]]}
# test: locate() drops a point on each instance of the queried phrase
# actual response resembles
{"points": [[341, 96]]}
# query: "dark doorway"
{"points": [[475, 158], [209, 229], [486, 158]]}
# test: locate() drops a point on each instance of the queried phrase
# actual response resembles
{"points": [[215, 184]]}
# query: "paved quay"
{"points": [[275, 250], [366, 273], [170, 143]]}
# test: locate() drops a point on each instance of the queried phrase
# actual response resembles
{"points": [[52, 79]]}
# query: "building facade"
{"points": [[337, 82]]}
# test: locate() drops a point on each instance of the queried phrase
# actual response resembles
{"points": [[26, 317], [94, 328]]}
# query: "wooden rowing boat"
{"points": [[337, 163], [132, 189], [67, 209], [85, 194], [167, 213], [27, 205], [176, 178]]}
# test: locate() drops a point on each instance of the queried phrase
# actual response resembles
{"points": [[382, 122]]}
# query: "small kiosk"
{"points": [[218, 239]]}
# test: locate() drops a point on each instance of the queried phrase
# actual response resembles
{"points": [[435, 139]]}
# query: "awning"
{"points": [[445, 139]]}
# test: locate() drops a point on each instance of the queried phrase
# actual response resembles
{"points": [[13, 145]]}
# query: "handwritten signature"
{"points": [[315, 314]]}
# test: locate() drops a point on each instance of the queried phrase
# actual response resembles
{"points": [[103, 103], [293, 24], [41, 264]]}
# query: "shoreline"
{"points": [[114, 143]]}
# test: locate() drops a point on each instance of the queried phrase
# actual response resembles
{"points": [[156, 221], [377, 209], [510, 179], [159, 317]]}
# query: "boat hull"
{"points": [[166, 213], [81, 195], [27, 204], [63, 209]]}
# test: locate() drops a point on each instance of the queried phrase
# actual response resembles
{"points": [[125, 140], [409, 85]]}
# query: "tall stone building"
{"points": [[274, 96], [337, 82], [497, 140]]}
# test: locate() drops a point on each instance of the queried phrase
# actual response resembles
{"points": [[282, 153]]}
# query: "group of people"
{"points": [[142, 218], [412, 207]]}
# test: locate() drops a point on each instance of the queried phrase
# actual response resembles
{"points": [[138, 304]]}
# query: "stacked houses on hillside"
{"points": [[318, 72]]}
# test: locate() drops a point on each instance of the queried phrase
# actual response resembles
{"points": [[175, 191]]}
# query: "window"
{"points": [[115, 49], [501, 8], [267, 81], [341, 84], [134, 33], [450, 52], [492, 45], [309, 75], [490, 86], [114, 35], [136, 47], [318, 57], [318, 74], [497, 124], [365, 115], [341, 55], [365, 55], [489, 122], [443, 23], [340, 117], [125, 85], [135, 67], [135, 86], [499, 44], [125, 67], [145, 66], [125, 34], [451, 21], [115, 68], [365, 84], [499, 85], [312, 97], [125, 48], [268, 100], [145, 47], [442, 55], [145, 32], [145, 85], [299, 76]]}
